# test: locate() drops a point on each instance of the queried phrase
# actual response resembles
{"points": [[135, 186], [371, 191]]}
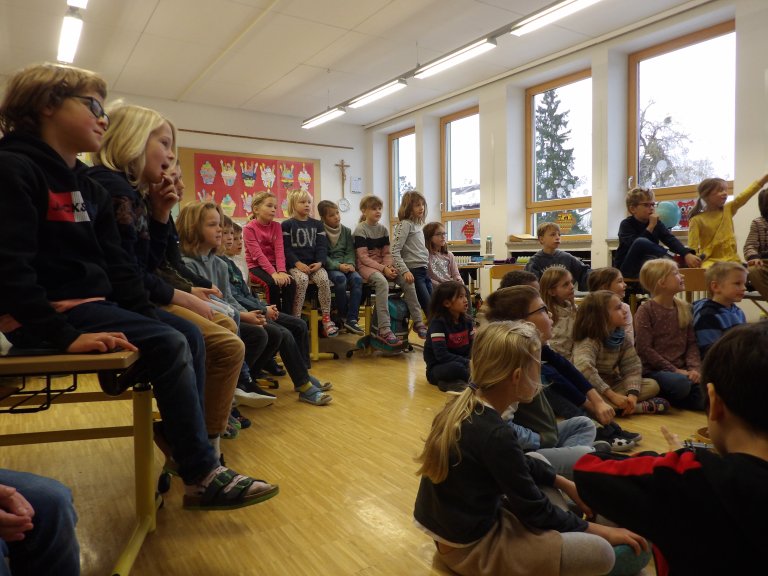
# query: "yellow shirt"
{"points": [[711, 233]]}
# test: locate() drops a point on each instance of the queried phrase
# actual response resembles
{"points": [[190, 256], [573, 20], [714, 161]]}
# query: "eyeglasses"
{"points": [[648, 204], [440, 234], [94, 106], [542, 309]]}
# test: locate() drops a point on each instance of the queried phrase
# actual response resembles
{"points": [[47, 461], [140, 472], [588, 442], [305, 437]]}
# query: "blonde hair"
{"points": [[257, 201], [719, 271], [637, 195], [410, 200], [542, 228], [499, 349], [295, 196], [369, 201], [653, 272], [36, 87], [125, 143], [190, 226], [551, 278]]}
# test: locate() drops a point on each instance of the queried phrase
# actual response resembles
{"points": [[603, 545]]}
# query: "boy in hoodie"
{"points": [[708, 509], [548, 234], [65, 280]]}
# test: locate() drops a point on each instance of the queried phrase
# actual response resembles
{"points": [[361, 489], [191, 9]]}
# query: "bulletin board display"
{"points": [[232, 179]]}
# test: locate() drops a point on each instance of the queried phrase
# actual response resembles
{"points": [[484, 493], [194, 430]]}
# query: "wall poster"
{"points": [[233, 179]]}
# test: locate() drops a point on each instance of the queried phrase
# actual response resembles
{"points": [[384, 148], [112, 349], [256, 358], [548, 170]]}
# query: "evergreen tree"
{"points": [[554, 162]]}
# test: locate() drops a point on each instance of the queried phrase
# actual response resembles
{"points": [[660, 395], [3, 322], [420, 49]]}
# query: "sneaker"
{"points": [[452, 385], [244, 422], [254, 399], [618, 444], [389, 338], [601, 446], [421, 330], [353, 327], [274, 368], [251, 386]]}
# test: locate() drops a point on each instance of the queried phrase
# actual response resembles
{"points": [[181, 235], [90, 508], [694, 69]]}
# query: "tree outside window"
{"points": [[402, 167], [460, 181]]}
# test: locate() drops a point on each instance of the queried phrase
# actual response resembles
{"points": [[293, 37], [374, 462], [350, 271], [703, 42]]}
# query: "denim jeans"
{"points": [[679, 390], [456, 370], [423, 285], [348, 310], [640, 252], [291, 355], [170, 364], [51, 547]]}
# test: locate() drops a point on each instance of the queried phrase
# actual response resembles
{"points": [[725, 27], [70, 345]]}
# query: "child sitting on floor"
{"points": [[374, 261], [606, 359], [548, 234], [449, 339], [556, 287], [712, 317], [611, 279], [490, 508], [666, 343], [340, 264]]}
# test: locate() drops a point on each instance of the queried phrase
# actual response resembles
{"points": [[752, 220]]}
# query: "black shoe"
{"points": [[274, 368], [113, 384], [451, 385], [253, 388]]}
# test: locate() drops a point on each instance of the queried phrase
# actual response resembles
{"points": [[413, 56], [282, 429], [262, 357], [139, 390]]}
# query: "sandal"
{"points": [[232, 429], [227, 490], [315, 396], [389, 338], [329, 327], [323, 387], [654, 406], [421, 330], [244, 422]]}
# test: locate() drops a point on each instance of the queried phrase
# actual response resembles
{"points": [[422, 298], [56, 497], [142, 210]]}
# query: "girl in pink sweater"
{"points": [[264, 253]]}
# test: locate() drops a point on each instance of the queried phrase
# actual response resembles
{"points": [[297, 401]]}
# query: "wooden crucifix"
{"points": [[343, 167]]}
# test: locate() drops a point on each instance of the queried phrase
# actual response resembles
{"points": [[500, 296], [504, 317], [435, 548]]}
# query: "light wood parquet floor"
{"points": [[346, 476]]}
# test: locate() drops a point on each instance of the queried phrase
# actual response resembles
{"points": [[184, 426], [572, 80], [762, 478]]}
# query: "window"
{"points": [[402, 167], [558, 128], [460, 178], [682, 108]]}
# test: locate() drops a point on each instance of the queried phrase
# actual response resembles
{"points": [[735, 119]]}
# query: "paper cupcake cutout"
{"points": [[207, 173]]}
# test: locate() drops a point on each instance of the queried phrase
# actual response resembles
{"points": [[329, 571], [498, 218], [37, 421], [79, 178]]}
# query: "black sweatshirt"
{"points": [[58, 241]]}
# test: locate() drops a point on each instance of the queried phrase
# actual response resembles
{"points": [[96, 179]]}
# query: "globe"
{"points": [[669, 213]]}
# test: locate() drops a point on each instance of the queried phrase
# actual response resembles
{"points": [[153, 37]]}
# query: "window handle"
{"points": [[629, 182]]}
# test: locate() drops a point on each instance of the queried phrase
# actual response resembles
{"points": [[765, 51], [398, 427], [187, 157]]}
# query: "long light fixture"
{"points": [[377, 93], [323, 118], [71, 28], [549, 15], [78, 3], [456, 57]]}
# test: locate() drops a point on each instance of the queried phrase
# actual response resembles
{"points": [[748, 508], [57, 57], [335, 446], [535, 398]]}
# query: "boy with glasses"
{"points": [[641, 235]]}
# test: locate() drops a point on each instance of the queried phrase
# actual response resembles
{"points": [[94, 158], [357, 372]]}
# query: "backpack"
{"points": [[399, 317]]}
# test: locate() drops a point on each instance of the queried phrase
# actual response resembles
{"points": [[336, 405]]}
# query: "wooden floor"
{"points": [[346, 476]]}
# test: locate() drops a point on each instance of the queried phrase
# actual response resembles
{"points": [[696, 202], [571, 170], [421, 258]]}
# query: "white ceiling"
{"points": [[296, 57]]}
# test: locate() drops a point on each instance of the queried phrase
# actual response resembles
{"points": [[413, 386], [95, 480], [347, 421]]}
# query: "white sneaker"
{"points": [[252, 399]]}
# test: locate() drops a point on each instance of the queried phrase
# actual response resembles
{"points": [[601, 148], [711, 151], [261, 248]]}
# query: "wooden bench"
{"points": [[23, 392]]}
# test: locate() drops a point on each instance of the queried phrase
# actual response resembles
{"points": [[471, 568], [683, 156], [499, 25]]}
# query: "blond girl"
{"points": [[710, 230], [265, 255], [666, 342], [490, 508], [556, 287], [606, 359], [408, 249]]}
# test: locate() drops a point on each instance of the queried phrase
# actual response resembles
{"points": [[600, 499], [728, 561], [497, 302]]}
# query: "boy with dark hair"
{"points": [[704, 503], [548, 234], [641, 233], [712, 317], [519, 278], [65, 281]]}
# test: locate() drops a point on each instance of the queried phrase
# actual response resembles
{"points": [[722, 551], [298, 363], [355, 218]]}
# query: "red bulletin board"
{"points": [[233, 179]]}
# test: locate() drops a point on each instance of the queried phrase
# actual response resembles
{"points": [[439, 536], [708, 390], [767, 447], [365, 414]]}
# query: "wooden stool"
{"points": [[24, 400], [311, 311]]}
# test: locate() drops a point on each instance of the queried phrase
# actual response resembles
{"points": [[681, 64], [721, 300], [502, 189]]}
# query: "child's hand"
{"points": [[301, 267], [205, 293], [653, 219], [346, 268], [617, 536], [673, 442], [756, 262], [272, 312], [603, 412], [314, 267], [390, 272], [694, 376], [409, 277], [162, 197], [692, 261], [100, 342]]}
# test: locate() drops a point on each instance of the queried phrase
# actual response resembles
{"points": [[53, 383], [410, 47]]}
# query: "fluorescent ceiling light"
{"points": [[457, 57], [380, 92], [549, 15], [323, 118], [70, 36], [78, 3]]}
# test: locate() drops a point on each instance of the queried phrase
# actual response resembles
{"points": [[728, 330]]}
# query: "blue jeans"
{"points": [[51, 547], [423, 285], [348, 310], [638, 254], [166, 353], [679, 390], [455, 370], [292, 357], [298, 329]]}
